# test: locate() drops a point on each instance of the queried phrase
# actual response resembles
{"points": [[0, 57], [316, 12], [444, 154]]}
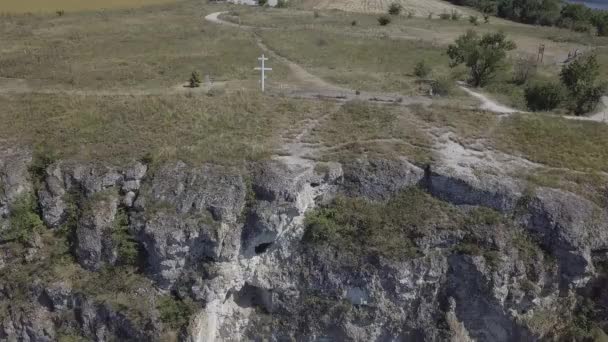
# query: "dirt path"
{"points": [[314, 87], [493, 106], [488, 104], [600, 116]]}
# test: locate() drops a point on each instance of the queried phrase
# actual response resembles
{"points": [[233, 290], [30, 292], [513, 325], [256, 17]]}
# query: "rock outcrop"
{"points": [[14, 180], [224, 250]]}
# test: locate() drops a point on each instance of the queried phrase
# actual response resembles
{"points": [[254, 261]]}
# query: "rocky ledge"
{"points": [[368, 250]]}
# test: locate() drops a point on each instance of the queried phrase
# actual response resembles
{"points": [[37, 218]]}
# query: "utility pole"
{"points": [[263, 70]]}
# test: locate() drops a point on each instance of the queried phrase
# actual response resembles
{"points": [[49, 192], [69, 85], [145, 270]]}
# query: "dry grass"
{"points": [[556, 142], [224, 129], [364, 64], [41, 6], [469, 125], [155, 47], [418, 7], [359, 129]]}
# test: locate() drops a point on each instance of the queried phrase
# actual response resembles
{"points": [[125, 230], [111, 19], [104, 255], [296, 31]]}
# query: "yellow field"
{"points": [[36, 6]]}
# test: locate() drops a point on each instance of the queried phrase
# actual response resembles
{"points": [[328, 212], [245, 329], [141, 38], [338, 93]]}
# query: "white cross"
{"points": [[263, 69]]}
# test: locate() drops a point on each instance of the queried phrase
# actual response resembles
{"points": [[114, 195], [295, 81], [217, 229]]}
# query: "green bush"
{"points": [[395, 8], [126, 245], [422, 70], [543, 96], [483, 216], [524, 69], [282, 3], [442, 86], [195, 80], [580, 79], [445, 16], [359, 227], [384, 20], [262, 2], [455, 15], [23, 220], [175, 313], [482, 55], [473, 19]]}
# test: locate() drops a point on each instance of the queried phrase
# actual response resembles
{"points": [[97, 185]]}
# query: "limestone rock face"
{"points": [[94, 245], [379, 179], [67, 184], [186, 215], [572, 227], [32, 325], [494, 191], [232, 242], [14, 179]]}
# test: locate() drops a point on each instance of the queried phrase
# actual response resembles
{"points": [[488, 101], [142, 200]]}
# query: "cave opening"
{"points": [[262, 248]]}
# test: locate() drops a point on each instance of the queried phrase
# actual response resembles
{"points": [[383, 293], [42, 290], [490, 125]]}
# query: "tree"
{"points": [[543, 96], [195, 80], [580, 79], [483, 56], [384, 20], [422, 70], [600, 20], [394, 8], [524, 69]]}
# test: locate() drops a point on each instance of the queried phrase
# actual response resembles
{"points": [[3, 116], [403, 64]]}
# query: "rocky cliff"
{"points": [[367, 250]]}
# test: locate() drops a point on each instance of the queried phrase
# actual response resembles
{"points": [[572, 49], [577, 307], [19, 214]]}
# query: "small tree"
{"points": [[524, 69], [579, 78], [262, 2], [442, 86], [384, 20], [486, 19], [483, 56], [422, 70], [195, 80], [473, 19], [281, 3], [543, 96], [455, 15], [395, 8], [444, 16]]}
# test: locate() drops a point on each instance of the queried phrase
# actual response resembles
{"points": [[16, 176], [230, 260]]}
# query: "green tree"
{"points": [[600, 21], [543, 96], [123, 240], [195, 80], [422, 70], [174, 312], [24, 221], [384, 20], [580, 79], [483, 56], [395, 8]]}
